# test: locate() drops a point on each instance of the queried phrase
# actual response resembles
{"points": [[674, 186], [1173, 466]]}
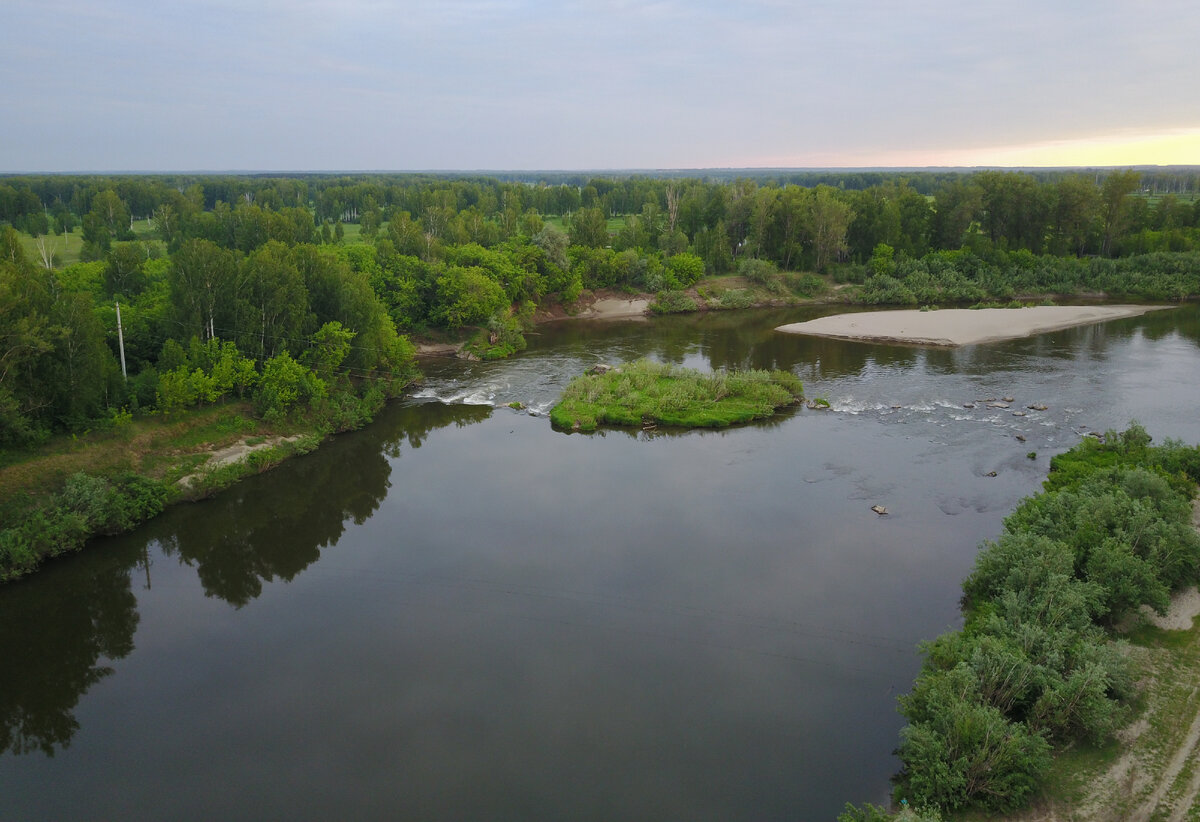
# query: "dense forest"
{"points": [[298, 291]]}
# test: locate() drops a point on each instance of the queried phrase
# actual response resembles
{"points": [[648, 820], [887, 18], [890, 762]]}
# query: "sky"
{"points": [[303, 85]]}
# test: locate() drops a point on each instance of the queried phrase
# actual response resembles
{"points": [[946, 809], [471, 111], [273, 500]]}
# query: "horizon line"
{"points": [[612, 170]]}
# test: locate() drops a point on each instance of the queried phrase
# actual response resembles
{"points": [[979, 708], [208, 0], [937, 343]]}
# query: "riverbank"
{"points": [[1021, 705], [57, 497], [1152, 770], [960, 326]]}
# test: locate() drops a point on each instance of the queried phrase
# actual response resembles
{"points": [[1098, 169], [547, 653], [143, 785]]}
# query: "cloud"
{"points": [[503, 83]]}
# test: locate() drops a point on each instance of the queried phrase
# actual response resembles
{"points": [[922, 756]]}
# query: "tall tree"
{"points": [[1115, 194], [204, 286], [276, 302], [829, 219], [26, 337], [1076, 204]]}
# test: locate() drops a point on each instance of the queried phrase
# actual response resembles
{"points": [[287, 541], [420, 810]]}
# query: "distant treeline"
{"points": [[767, 215], [290, 265]]}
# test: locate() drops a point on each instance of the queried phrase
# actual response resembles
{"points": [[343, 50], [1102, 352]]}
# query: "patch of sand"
{"points": [[439, 349], [614, 308], [233, 453], [1185, 607], [960, 326]]}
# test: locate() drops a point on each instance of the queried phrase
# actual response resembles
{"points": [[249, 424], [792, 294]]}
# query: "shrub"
{"points": [[672, 302], [285, 384], [1032, 665]]}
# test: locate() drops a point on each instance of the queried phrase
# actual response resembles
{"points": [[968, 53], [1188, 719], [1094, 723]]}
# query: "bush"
{"points": [[87, 506], [1032, 665], [959, 751], [683, 270], [284, 385], [672, 302]]}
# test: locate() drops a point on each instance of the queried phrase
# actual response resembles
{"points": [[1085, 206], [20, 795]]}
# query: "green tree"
{"points": [[328, 349], [829, 219], [467, 296], [204, 286], [589, 227], [276, 301], [1115, 203], [81, 364], [284, 385], [107, 220], [124, 271], [26, 339], [1076, 202]]}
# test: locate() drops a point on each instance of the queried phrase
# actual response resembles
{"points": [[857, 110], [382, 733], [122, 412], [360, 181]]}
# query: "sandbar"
{"points": [[961, 326], [615, 308]]}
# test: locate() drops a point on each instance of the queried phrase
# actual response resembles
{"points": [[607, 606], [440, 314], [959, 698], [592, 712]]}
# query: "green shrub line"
{"points": [[646, 392], [87, 506], [1037, 665], [92, 505]]}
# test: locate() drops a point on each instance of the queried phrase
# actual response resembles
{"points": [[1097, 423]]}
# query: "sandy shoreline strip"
{"points": [[615, 308], [961, 326]]}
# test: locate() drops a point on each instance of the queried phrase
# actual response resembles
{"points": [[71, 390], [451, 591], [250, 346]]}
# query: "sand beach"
{"points": [[961, 326]]}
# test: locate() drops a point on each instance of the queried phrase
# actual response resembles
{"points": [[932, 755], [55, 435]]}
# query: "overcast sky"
{"points": [[110, 85]]}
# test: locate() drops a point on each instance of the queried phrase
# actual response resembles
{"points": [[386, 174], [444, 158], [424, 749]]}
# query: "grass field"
{"points": [[612, 224], [65, 248]]}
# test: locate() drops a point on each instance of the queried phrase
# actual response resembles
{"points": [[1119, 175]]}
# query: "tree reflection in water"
{"points": [[63, 625]]}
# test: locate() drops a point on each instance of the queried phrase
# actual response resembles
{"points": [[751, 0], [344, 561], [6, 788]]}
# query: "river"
{"points": [[460, 613]]}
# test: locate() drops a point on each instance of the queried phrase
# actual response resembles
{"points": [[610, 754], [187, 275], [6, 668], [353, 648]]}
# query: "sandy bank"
{"points": [[961, 326], [233, 453], [613, 308]]}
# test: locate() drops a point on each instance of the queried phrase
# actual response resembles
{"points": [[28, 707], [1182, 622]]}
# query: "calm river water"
{"points": [[460, 613]]}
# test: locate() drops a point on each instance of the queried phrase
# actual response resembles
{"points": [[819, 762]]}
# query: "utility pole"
{"points": [[121, 343]]}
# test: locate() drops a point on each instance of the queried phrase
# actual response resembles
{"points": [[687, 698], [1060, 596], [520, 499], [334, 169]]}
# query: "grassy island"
{"points": [[646, 392]]}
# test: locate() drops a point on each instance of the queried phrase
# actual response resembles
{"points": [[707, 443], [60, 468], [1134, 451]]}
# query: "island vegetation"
{"points": [[290, 300], [647, 393]]}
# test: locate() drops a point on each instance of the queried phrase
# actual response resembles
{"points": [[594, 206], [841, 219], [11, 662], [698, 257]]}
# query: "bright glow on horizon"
{"points": [[1176, 147]]}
